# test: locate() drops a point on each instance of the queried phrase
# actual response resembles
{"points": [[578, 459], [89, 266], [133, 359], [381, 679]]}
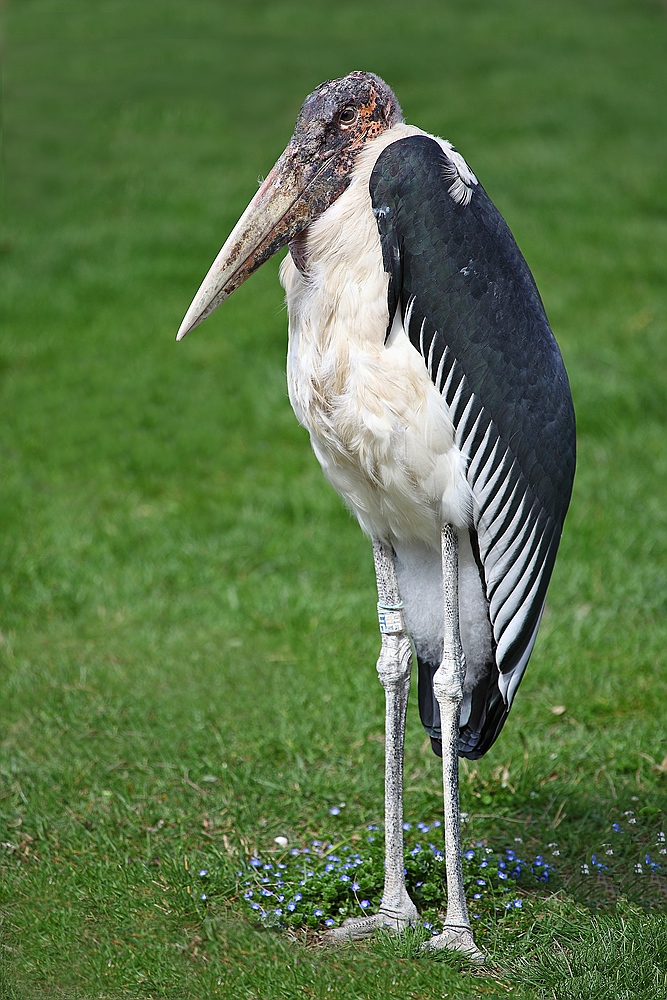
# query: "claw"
{"points": [[357, 928], [457, 939]]}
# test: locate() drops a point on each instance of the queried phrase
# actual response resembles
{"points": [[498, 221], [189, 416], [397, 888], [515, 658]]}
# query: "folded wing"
{"points": [[471, 308]]}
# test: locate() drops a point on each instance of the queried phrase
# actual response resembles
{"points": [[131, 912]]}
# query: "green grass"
{"points": [[187, 633]]}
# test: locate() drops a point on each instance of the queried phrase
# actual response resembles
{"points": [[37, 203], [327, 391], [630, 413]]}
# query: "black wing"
{"points": [[470, 306]]}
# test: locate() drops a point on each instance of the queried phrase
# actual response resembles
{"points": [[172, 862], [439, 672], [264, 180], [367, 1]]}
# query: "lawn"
{"points": [[187, 621]]}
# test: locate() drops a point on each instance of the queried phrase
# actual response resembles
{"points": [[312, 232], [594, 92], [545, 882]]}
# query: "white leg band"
{"points": [[390, 617]]}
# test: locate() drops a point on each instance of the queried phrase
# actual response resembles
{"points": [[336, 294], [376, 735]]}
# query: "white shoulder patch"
{"points": [[462, 180]]}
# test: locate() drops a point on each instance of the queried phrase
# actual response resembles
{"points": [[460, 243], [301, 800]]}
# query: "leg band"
{"points": [[390, 617]]}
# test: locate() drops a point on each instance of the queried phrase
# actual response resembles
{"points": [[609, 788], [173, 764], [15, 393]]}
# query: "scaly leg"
{"points": [[397, 910], [448, 689]]}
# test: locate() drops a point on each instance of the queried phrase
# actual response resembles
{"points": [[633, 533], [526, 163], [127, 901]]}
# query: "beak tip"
{"points": [[189, 323]]}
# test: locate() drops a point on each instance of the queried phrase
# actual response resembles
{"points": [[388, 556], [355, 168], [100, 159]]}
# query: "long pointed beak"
{"points": [[293, 194]]}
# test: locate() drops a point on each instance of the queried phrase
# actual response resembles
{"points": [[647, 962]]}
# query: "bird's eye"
{"points": [[348, 116]]}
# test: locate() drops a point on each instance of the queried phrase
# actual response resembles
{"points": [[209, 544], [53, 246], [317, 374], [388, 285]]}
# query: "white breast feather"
{"points": [[379, 428]]}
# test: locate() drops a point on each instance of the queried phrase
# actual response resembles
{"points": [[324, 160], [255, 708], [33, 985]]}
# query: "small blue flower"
{"points": [[297, 897], [502, 875], [248, 894], [616, 827], [255, 906], [278, 912], [372, 826], [407, 826], [203, 896], [255, 862], [477, 895], [364, 904], [203, 873], [355, 887], [291, 907], [480, 881], [295, 851], [317, 913], [469, 855], [344, 878], [335, 811]]}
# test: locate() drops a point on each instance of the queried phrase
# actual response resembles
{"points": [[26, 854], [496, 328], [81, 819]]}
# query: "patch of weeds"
{"points": [[319, 885]]}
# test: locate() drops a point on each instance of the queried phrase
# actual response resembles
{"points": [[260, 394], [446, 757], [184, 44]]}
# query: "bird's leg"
{"points": [[448, 690], [393, 666], [397, 910]]}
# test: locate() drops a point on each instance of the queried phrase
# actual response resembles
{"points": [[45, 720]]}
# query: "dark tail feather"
{"points": [[487, 714], [429, 710]]}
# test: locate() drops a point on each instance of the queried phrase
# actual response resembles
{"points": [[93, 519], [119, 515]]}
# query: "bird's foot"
{"points": [[457, 939], [389, 919]]}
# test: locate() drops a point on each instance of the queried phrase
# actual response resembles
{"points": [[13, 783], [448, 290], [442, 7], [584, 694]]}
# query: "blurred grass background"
{"points": [[187, 627]]}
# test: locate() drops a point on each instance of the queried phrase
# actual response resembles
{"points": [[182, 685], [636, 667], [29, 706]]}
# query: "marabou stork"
{"points": [[422, 364]]}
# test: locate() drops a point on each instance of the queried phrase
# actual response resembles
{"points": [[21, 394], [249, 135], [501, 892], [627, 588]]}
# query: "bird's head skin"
{"points": [[334, 124]]}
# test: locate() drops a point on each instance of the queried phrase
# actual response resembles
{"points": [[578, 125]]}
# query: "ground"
{"points": [[187, 622]]}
